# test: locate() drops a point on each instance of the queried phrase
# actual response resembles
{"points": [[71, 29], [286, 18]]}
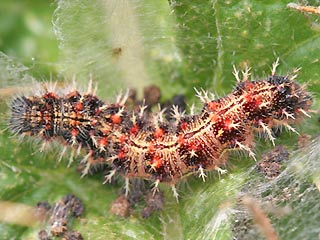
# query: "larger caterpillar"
{"points": [[153, 148]]}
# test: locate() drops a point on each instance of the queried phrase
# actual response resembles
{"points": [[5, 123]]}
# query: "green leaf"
{"points": [[176, 45]]}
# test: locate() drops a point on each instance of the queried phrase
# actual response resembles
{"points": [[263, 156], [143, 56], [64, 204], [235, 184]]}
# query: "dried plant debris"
{"points": [[304, 9], [294, 192], [154, 202], [252, 222], [152, 95], [72, 235], [139, 191], [151, 99], [270, 166], [59, 216], [304, 140], [121, 206]]}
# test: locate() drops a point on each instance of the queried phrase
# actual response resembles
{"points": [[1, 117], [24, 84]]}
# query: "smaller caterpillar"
{"points": [[153, 148]]}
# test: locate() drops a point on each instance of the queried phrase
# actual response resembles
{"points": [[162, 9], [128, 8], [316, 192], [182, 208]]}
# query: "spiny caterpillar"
{"points": [[153, 148]]}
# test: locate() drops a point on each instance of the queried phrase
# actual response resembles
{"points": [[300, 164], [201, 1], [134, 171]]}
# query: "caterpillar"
{"points": [[135, 145]]}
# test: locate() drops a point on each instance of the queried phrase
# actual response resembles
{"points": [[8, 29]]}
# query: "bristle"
{"points": [[274, 67], [268, 131], [245, 74], [236, 74], [202, 174], [175, 193], [155, 187], [127, 186], [108, 178]]}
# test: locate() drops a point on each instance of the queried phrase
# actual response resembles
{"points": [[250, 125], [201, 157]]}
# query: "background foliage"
{"points": [[176, 45]]}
